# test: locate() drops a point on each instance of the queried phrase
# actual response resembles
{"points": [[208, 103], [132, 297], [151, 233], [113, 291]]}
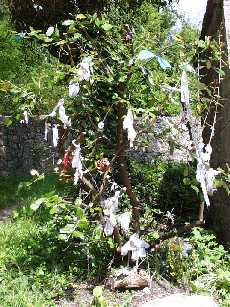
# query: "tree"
{"points": [[112, 78], [216, 76]]}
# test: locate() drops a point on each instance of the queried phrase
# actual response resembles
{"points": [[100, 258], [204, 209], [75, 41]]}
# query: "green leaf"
{"points": [[98, 22], [78, 234], [186, 173], [79, 212], [77, 36], [47, 39], [53, 210], [68, 229], [78, 202], [97, 291], [106, 26], [7, 121], [97, 233], [186, 181], [36, 205], [81, 16], [122, 78], [72, 29], [57, 33], [195, 188], [63, 236], [83, 223], [111, 243]]}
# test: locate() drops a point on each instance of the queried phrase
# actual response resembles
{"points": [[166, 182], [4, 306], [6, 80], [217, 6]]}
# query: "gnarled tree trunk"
{"points": [[217, 26]]}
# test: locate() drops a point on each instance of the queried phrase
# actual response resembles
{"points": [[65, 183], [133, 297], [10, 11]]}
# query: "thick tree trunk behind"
{"points": [[217, 25]]}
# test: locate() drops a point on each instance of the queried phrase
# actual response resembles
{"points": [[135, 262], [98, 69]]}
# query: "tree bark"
{"points": [[217, 25], [123, 170]]}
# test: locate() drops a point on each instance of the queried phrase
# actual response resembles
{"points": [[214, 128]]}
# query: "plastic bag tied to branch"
{"points": [[62, 115], [136, 246], [110, 207], [76, 163], [74, 89], [205, 175], [26, 118], [47, 127], [128, 125], [55, 135], [85, 69]]}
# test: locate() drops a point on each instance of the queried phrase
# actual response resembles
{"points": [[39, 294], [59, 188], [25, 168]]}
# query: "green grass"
{"points": [[24, 279], [29, 271], [19, 190], [8, 191], [36, 268]]}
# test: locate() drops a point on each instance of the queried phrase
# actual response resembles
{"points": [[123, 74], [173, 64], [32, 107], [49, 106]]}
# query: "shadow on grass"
{"points": [[177, 197], [160, 186], [8, 190]]}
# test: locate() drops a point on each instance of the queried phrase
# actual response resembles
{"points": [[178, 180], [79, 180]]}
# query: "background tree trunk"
{"points": [[217, 25]]}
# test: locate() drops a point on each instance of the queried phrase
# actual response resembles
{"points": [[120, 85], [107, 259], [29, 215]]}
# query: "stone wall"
{"points": [[22, 148], [167, 139]]}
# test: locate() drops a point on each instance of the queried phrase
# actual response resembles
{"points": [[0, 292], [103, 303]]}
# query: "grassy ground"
{"points": [[37, 270], [8, 191], [25, 279]]}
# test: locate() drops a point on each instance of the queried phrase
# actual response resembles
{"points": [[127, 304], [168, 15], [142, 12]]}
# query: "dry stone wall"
{"points": [[22, 148], [167, 139]]}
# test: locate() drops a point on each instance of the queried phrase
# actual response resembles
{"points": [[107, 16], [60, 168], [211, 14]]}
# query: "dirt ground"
{"points": [[81, 295], [6, 213]]}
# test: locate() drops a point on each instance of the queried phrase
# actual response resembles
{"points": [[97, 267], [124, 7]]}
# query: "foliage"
{"points": [[48, 75], [59, 233], [161, 187], [25, 14], [32, 252], [120, 81], [26, 71], [204, 268], [24, 279], [210, 269], [99, 300], [36, 264], [8, 191]]}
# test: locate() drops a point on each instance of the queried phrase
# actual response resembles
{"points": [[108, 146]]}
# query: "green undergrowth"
{"points": [[162, 188], [205, 269], [37, 265], [9, 190], [19, 190], [28, 276], [25, 279]]}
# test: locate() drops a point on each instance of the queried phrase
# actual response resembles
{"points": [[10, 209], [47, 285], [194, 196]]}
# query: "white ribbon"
{"points": [[128, 125]]}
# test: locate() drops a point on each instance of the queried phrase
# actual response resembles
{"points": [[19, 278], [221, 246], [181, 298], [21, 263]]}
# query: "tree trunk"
{"points": [[123, 170], [217, 25]]}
